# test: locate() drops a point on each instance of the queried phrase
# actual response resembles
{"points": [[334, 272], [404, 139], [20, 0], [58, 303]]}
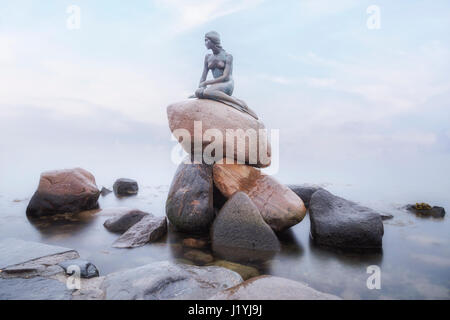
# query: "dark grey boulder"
{"points": [[148, 229], [240, 233], [340, 223], [189, 205], [122, 223], [166, 280], [37, 288], [304, 191], [86, 269], [125, 187], [435, 212]]}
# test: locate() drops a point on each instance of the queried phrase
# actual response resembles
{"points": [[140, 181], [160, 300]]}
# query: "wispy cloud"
{"points": [[188, 14]]}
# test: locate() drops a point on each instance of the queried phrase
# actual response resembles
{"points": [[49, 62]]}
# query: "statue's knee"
{"points": [[199, 93]]}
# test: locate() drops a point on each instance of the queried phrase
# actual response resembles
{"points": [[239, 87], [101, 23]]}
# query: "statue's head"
{"points": [[212, 39]]}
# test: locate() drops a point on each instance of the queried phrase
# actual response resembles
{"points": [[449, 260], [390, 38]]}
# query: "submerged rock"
{"points": [[64, 191], [220, 118], [198, 257], [125, 187], [86, 269], [194, 243], [279, 206], [148, 229], [425, 210], [165, 280], [189, 205], [246, 272], [125, 221], [240, 232], [272, 288], [337, 222], [304, 191]]}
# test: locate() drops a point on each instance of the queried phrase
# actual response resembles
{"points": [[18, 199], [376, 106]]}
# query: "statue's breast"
{"points": [[216, 64]]}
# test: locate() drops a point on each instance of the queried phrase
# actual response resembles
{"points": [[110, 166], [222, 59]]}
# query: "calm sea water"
{"points": [[414, 262]]}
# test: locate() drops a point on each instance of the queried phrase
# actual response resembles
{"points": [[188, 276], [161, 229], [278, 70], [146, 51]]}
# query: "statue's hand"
{"points": [[202, 84]]}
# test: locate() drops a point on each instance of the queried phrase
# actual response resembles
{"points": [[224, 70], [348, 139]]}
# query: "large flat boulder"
{"points": [[15, 252], [239, 232], [272, 288], [189, 205], [219, 117], [64, 191], [37, 288], [165, 281], [340, 223], [279, 206]]}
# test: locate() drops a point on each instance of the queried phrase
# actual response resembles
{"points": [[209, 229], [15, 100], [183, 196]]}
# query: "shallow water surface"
{"points": [[414, 262]]}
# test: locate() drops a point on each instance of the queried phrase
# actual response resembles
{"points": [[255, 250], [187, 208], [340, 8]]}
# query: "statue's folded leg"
{"points": [[229, 100]]}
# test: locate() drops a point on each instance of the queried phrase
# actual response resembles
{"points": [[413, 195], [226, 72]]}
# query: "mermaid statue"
{"points": [[221, 87]]}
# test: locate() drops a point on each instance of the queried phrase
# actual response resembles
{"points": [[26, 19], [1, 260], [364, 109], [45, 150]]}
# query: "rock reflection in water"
{"points": [[63, 225]]}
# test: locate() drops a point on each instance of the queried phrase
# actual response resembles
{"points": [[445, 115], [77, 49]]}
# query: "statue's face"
{"points": [[208, 43]]}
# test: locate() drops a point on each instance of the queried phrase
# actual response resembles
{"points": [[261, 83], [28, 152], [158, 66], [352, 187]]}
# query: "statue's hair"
{"points": [[214, 37]]}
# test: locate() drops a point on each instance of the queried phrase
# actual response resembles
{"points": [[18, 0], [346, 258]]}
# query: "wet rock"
{"points": [[64, 191], [37, 288], [16, 252], [219, 117], [86, 269], [337, 222], [425, 210], [123, 222], [125, 187], [148, 229], [279, 206], [385, 216], [304, 191], [246, 272], [272, 288], [90, 289], [105, 191], [165, 280], [189, 205], [198, 257], [194, 243], [239, 231]]}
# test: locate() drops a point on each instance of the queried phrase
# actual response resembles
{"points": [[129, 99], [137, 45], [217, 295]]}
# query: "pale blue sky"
{"points": [[311, 68]]}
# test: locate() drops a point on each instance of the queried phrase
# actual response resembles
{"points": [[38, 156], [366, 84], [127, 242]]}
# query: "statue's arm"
{"points": [[226, 72], [205, 73]]}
